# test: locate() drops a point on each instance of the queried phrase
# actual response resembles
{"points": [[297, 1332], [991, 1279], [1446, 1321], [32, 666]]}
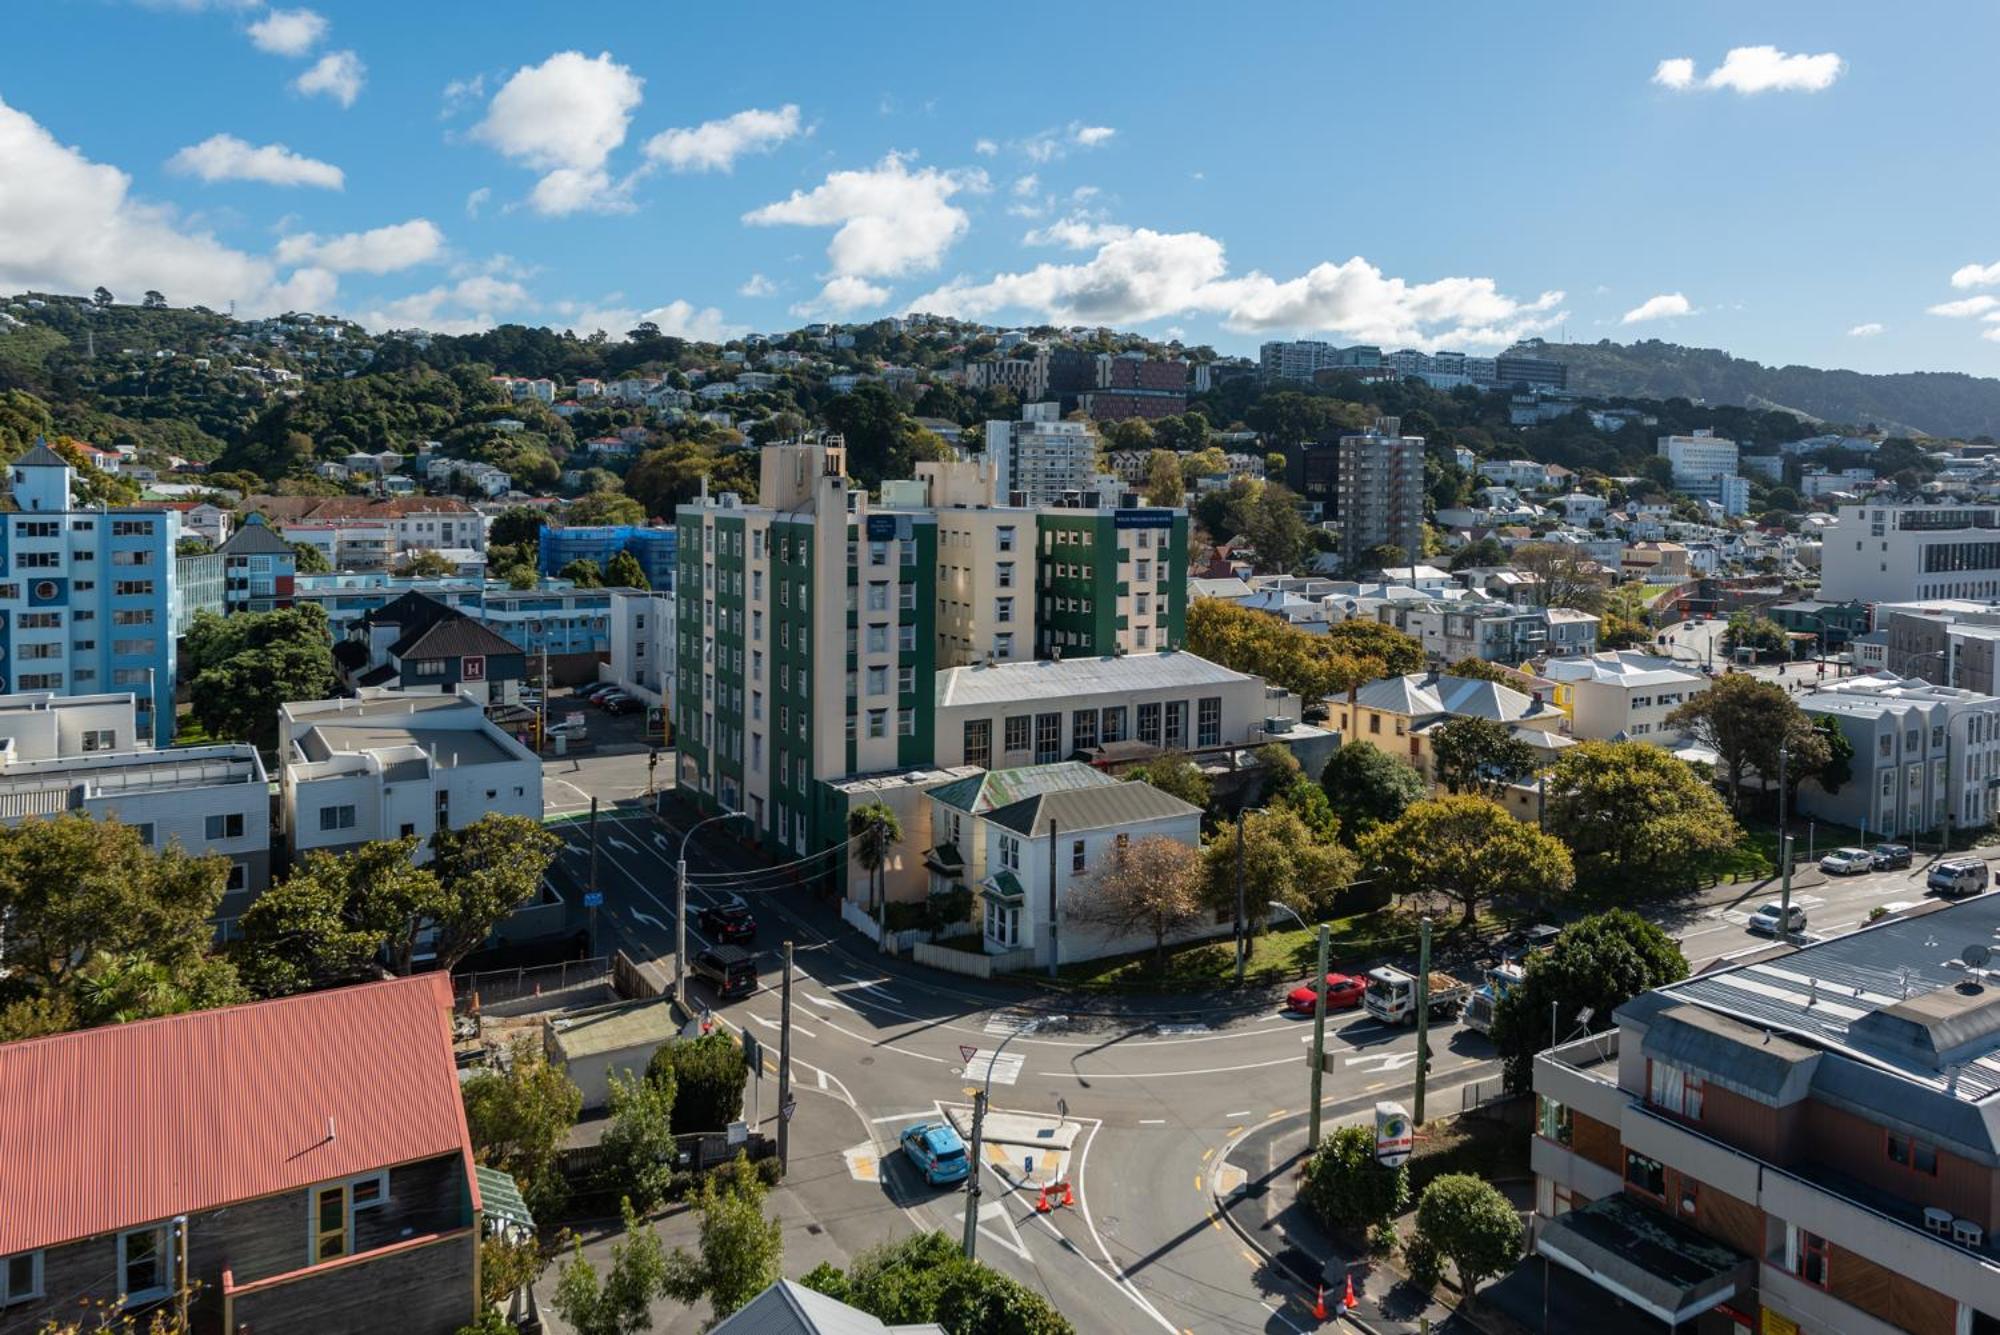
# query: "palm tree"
{"points": [[875, 830]]}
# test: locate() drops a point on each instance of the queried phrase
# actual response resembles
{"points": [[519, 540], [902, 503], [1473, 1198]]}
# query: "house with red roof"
{"points": [[299, 1165]]}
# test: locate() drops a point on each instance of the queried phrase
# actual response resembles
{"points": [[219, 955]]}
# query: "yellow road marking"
{"points": [[1197, 1182], [1251, 1257], [1280, 1113], [1215, 1222], [1206, 1153], [1234, 1129]]}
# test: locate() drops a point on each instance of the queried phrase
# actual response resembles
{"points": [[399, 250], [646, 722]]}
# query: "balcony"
{"points": [[1883, 1228], [1583, 1075]]}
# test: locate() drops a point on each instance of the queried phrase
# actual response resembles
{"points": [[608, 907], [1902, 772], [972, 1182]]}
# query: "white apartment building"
{"points": [[1923, 754], [1042, 457], [1817, 482], [1700, 462], [391, 764], [1890, 553], [85, 754], [642, 645], [1623, 695]]}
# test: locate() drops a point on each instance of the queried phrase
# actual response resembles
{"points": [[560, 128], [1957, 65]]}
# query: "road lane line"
{"points": [[1152, 1121], [901, 1117], [1243, 1113], [1119, 1277]]}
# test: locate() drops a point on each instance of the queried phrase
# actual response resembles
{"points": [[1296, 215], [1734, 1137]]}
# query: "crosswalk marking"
{"points": [[1001, 1070], [1175, 1029], [1006, 1022]]}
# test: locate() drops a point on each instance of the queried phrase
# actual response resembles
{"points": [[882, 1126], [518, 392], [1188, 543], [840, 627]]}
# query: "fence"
{"points": [[502, 988], [1493, 1089], [975, 966], [857, 918]]}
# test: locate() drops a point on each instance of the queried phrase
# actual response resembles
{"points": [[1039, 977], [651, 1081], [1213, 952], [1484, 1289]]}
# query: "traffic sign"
{"points": [[753, 1055], [593, 899], [791, 1106], [966, 1053]]}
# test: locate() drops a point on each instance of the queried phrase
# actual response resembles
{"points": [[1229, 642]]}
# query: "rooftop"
{"points": [[1621, 667], [1072, 809], [614, 1027], [988, 789], [1009, 683], [450, 747]]}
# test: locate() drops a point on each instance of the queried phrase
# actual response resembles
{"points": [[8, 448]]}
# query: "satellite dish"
{"points": [[1976, 955]]}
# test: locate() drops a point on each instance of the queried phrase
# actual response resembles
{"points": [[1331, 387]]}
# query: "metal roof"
{"points": [[1092, 808], [501, 1196], [255, 538], [1043, 679], [109, 1128], [998, 788], [789, 1308]]}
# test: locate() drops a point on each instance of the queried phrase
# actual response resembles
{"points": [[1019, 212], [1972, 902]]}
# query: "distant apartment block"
{"points": [[1381, 491], [354, 533], [652, 546], [1042, 458], [1890, 553]]}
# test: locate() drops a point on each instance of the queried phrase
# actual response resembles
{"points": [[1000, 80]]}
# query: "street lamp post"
{"points": [[1319, 1021], [972, 1192], [681, 905]]}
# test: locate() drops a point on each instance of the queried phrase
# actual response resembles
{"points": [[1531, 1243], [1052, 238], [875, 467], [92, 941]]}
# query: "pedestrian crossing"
{"points": [[1004, 1069], [1007, 1022]]}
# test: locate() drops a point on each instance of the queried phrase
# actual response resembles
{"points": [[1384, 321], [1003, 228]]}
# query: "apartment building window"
{"points": [[37, 560], [1375, 723], [337, 818], [145, 1259], [1145, 604], [1004, 538], [38, 621], [1003, 645], [906, 723], [1003, 575], [137, 558], [132, 588], [878, 723], [1914, 1155], [1010, 852], [979, 742], [1149, 724], [228, 826], [1017, 735], [906, 639], [100, 739], [1048, 738], [1208, 721], [878, 553], [38, 651], [41, 681], [38, 528], [1114, 724], [1553, 1120], [20, 1278], [1144, 570], [1809, 1258], [1646, 1175], [135, 648], [133, 616], [1083, 728], [1076, 857], [906, 680], [131, 528], [878, 596]]}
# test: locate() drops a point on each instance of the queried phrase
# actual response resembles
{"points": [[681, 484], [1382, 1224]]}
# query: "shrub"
{"points": [[1422, 1263], [1472, 1225], [1347, 1188]]}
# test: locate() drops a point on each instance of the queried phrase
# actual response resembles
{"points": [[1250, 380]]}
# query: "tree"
{"points": [[1763, 637], [1384, 557], [625, 572], [1636, 817], [1745, 720], [1480, 755], [1151, 886], [519, 1117], [1163, 478], [1485, 552], [1564, 576], [1270, 520], [740, 1250], [1597, 964], [102, 297], [153, 301], [1282, 861], [427, 564], [1174, 774], [485, 871], [1311, 666], [326, 923], [1839, 767], [310, 560], [875, 830], [243, 667], [709, 1075], [605, 507], [1470, 851], [926, 1278], [621, 1302], [1348, 1188], [1371, 641], [1472, 1225], [638, 1146], [516, 526], [582, 572], [1367, 787]]}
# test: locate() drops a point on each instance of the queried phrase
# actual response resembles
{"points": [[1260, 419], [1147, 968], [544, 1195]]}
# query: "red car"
{"points": [[1343, 992]]}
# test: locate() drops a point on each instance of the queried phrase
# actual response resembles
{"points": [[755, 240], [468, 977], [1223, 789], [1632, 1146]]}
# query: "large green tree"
{"points": [[485, 869], [605, 507], [740, 1250], [1597, 964], [926, 1278], [1368, 787], [1348, 1188], [1635, 816], [1175, 774], [619, 1302], [1398, 652], [874, 829], [708, 1075], [519, 1117], [1472, 1225], [330, 920], [242, 667], [1745, 720], [1312, 666], [1282, 860], [1480, 755], [625, 572], [1469, 851], [638, 1147]]}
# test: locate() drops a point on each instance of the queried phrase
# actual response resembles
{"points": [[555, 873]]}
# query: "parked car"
{"points": [[595, 689], [1958, 876], [730, 970], [621, 704], [1892, 857], [1848, 862], [731, 920], [1765, 920], [937, 1153], [1343, 992], [573, 726], [604, 698]]}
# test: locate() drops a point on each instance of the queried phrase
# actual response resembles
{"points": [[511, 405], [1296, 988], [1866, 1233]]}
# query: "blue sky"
{"points": [[1440, 177]]}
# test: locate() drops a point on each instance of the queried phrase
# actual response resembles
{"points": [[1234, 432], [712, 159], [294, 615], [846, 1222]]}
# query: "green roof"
{"points": [[501, 1199], [1119, 804], [1002, 787], [1005, 885]]}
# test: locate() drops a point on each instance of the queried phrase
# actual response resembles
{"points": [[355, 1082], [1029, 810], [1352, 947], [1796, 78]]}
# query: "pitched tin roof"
{"points": [[998, 788], [41, 456], [255, 538], [1092, 808], [231, 1104]]}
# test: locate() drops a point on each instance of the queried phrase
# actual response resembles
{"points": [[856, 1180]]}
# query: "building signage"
{"points": [[1143, 519], [472, 668], [881, 528], [1393, 1135]]}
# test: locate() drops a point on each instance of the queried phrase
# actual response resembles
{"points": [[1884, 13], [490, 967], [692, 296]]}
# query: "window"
{"points": [[1149, 724], [1646, 1175], [878, 596], [1208, 721], [1010, 852], [1553, 1120], [878, 723], [906, 723], [100, 739], [1811, 1260], [1114, 724], [145, 1258], [906, 680], [878, 553], [336, 818], [239, 877], [1076, 857], [38, 621], [330, 1220], [229, 826], [1003, 610], [38, 528], [1004, 537], [979, 743], [37, 560], [1083, 728], [138, 558], [132, 588], [1048, 738], [1003, 645], [143, 648], [131, 528], [32, 652], [1375, 723], [878, 680], [1017, 736], [906, 639], [878, 639], [1004, 574], [1912, 1154], [20, 1278]]}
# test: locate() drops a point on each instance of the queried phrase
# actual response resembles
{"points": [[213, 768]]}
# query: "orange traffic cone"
{"points": [[1069, 1194], [1347, 1298], [1319, 1305], [1042, 1202]]}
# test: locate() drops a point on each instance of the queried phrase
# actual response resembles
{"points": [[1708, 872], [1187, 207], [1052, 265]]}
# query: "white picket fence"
{"points": [[975, 966]]}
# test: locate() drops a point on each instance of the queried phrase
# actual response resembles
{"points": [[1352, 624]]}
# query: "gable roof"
{"points": [[255, 538], [41, 456], [455, 636], [240, 1102], [1091, 808], [985, 792], [790, 1308]]}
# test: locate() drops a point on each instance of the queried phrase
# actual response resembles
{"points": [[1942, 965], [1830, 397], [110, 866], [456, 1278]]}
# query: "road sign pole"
{"points": [[971, 1242], [784, 1059], [681, 928], [1319, 1036], [1423, 1016], [593, 896]]}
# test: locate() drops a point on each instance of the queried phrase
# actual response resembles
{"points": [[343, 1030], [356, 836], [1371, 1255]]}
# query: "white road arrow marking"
{"points": [[1382, 1061], [616, 842], [650, 919], [796, 1028]]}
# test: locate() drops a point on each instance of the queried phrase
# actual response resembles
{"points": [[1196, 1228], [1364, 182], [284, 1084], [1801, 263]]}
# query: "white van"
{"points": [[1959, 876]]}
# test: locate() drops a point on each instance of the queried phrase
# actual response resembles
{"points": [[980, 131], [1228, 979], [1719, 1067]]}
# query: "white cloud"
{"points": [[1976, 275], [676, 319], [476, 201], [461, 93], [465, 307], [756, 285], [1076, 233], [1755, 69], [288, 32], [68, 224], [563, 117], [890, 220], [1965, 308], [715, 145], [1148, 275], [985, 148], [1677, 73], [1662, 307], [842, 295], [1048, 145], [337, 74], [1090, 136], [224, 157], [1868, 330], [1027, 185], [380, 250]]}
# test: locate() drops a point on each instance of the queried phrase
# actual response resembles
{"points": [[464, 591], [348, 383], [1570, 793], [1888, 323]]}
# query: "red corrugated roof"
{"points": [[114, 1127]]}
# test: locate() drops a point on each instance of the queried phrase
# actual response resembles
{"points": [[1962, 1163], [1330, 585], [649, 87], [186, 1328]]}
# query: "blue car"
{"points": [[937, 1152]]}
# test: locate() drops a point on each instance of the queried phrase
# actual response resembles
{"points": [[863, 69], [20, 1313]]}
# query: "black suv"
{"points": [[730, 920], [730, 970]]}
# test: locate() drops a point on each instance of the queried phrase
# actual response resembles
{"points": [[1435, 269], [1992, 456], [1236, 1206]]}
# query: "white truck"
{"points": [[1392, 995]]}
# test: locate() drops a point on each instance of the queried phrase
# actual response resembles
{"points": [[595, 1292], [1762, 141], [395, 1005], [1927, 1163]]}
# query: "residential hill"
{"points": [[1935, 403]]}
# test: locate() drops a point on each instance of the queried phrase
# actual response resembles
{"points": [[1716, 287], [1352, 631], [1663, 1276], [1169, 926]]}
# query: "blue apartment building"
{"points": [[572, 626], [87, 599], [653, 548]]}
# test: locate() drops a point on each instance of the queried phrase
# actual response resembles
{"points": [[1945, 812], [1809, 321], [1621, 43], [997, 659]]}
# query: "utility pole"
{"points": [[591, 895], [1242, 935], [681, 931], [1319, 1036], [1423, 1017], [784, 1065], [970, 1244], [1054, 910], [1784, 853]]}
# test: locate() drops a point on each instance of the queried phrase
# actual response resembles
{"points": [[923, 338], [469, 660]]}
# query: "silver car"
{"points": [[1847, 862]]}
